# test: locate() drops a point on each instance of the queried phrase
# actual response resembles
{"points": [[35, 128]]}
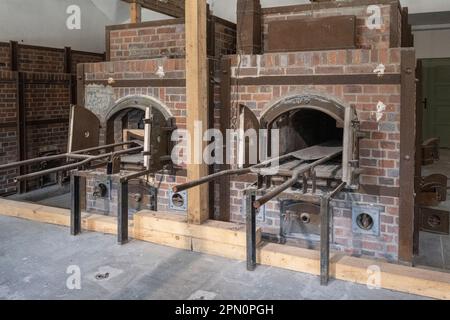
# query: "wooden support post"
{"points": [[249, 29], [14, 50], [197, 105], [80, 84], [135, 12], [225, 108], [211, 167], [407, 154], [67, 60], [21, 128]]}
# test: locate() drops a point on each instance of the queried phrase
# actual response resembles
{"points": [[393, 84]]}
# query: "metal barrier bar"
{"points": [[122, 215], [295, 176], [75, 211], [325, 234], [77, 164], [74, 155], [251, 230]]}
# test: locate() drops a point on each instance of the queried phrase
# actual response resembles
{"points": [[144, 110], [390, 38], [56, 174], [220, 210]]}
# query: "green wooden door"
{"points": [[437, 100]]}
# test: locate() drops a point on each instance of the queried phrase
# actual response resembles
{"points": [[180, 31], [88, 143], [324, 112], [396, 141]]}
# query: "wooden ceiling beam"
{"points": [[173, 8]]}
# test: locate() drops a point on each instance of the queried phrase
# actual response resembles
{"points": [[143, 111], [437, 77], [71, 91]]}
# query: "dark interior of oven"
{"points": [[300, 129]]}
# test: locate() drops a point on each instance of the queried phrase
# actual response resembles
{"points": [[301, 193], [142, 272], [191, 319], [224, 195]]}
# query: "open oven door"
{"points": [[160, 140], [84, 129], [350, 156], [248, 138]]}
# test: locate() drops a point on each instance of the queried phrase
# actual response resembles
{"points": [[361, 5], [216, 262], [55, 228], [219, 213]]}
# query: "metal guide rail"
{"points": [[82, 158], [305, 163]]}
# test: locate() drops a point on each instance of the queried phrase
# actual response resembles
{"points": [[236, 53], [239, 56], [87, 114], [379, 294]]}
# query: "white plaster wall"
{"points": [[42, 22], [432, 44]]}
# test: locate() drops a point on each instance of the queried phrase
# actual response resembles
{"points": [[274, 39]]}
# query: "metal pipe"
{"points": [[289, 183], [108, 146], [209, 178], [77, 164], [231, 172]]}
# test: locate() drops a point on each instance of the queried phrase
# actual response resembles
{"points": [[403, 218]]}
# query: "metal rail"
{"points": [[295, 176], [231, 172], [325, 234], [74, 155], [78, 164]]}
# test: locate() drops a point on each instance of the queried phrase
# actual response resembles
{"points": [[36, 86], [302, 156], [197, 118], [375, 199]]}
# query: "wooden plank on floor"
{"points": [[401, 278], [219, 231], [164, 238], [219, 249]]}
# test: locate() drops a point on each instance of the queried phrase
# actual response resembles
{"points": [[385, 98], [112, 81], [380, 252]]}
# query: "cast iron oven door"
{"points": [[84, 129]]}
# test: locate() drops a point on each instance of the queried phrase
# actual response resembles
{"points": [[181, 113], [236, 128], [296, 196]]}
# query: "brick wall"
{"points": [[40, 59], [8, 141], [5, 58], [84, 57], [366, 38], [379, 153], [46, 97], [225, 37], [173, 98], [148, 40], [164, 38]]}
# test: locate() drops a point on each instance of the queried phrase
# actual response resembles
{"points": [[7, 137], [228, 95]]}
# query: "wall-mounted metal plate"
{"points": [[434, 221], [366, 220], [300, 220], [178, 200]]}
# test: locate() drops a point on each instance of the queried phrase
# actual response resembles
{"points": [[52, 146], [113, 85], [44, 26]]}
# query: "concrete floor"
{"points": [[434, 249], [34, 258]]}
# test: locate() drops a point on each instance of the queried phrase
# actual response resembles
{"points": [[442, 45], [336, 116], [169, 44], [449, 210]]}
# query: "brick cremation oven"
{"points": [[145, 71], [335, 79], [331, 76]]}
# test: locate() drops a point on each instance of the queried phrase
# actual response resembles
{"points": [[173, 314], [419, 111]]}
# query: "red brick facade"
{"points": [[164, 39], [379, 151], [136, 53], [366, 38], [46, 97]]}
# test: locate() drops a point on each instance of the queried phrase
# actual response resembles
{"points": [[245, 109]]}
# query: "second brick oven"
{"points": [[357, 86], [354, 88]]}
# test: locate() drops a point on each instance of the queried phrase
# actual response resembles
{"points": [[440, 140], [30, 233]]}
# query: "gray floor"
{"points": [[434, 249], [34, 258]]}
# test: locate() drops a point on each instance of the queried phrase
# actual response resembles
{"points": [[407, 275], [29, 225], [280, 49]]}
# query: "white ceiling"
{"points": [[227, 8], [43, 22]]}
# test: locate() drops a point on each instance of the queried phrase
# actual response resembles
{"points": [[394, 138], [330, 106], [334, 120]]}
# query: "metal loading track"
{"points": [[319, 154]]}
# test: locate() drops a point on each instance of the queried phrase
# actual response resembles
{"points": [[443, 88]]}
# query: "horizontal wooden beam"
{"points": [[173, 8], [325, 5], [318, 80], [169, 83], [38, 122]]}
